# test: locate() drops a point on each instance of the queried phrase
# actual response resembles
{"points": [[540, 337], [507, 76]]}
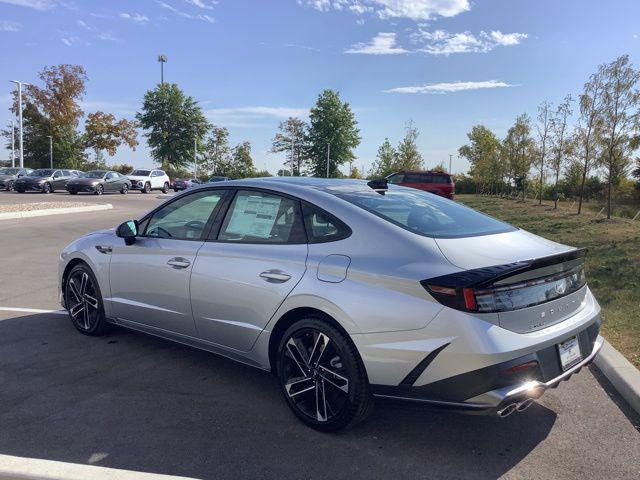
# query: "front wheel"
{"points": [[146, 188], [165, 188], [125, 189], [46, 188], [10, 186], [84, 301], [99, 190], [322, 376]]}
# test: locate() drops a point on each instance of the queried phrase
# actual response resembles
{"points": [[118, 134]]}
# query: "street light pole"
{"points": [[20, 143], [13, 143], [50, 137], [162, 59]]}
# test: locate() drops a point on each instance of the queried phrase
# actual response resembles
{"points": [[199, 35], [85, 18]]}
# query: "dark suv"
{"points": [[439, 183]]}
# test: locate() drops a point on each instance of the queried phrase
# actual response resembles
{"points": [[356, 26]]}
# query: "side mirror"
{"points": [[128, 230]]}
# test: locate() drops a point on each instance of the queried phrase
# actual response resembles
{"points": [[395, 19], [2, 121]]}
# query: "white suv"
{"points": [[147, 180]]}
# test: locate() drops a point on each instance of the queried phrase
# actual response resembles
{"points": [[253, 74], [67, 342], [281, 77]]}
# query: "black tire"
{"points": [[99, 190], [165, 188], [84, 301], [176, 190], [125, 189], [19, 190], [46, 188], [146, 188], [327, 367], [9, 186], [73, 193]]}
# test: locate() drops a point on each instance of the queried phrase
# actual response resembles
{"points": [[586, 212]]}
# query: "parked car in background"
{"points": [[9, 175], [99, 182], [462, 311], [439, 183], [184, 183], [218, 179], [77, 173], [147, 180], [45, 180]]}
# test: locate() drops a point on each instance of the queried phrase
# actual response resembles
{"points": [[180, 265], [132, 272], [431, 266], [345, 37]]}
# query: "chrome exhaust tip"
{"points": [[508, 410], [522, 406]]}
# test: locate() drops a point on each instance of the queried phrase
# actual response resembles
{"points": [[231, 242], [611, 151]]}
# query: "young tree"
{"points": [[291, 138], [173, 122], [484, 155], [620, 117], [408, 157], [103, 132], [559, 142], [240, 163], [520, 151], [217, 151], [385, 162], [543, 127], [123, 168], [332, 134], [591, 105]]}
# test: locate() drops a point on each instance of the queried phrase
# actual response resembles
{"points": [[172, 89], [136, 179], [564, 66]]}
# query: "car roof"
{"points": [[435, 172]]}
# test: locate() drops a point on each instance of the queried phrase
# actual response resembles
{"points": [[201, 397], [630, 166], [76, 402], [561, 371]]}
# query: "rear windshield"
{"points": [[420, 178], [141, 173], [426, 214]]}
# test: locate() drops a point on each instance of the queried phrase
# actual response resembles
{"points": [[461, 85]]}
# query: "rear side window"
{"points": [[260, 217], [426, 214], [322, 226]]}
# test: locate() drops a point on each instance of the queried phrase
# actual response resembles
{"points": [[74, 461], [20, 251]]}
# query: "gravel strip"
{"points": [[25, 207]]}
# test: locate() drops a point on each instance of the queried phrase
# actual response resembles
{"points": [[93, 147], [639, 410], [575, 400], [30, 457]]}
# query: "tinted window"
{"points": [[141, 173], [323, 227], [95, 174], [42, 173], [9, 171], [66, 173], [185, 218], [258, 217], [111, 175], [396, 178], [426, 214]]}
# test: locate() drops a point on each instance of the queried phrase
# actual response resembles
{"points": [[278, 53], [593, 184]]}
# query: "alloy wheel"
{"points": [[99, 190], [313, 375], [10, 186], [82, 300]]}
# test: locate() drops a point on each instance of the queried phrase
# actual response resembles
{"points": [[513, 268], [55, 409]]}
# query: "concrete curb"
{"points": [[621, 373], [19, 468], [54, 211]]}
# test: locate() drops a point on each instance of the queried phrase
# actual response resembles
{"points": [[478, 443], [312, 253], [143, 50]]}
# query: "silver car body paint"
{"points": [[368, 283]]}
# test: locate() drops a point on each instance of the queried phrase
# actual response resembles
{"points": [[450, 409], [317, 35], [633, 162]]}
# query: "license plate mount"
{"points": [[569, 352]]}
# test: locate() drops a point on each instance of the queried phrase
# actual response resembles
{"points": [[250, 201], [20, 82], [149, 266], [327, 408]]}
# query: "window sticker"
{"points": [[254, 216]]}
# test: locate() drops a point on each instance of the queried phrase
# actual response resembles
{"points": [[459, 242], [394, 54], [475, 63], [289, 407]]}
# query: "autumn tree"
{"points": [[560, 143], [291, 138], [519, 150], [543, 127], [408, 156], [483, 153], [620, 118], [104, 133], [173, 122], [332, 134], [385, 162]]}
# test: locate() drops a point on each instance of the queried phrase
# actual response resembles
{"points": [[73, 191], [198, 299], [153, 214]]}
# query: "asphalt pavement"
{"points": [[135, 402]]}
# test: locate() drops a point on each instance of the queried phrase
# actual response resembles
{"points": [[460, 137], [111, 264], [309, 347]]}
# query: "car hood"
{"points": [[137, 177], [497, 249], [32, 179]]}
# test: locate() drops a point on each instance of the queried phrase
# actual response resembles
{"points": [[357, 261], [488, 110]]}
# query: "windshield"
{"points": [[141, 173], [45, 172], [426, 214], [95, 174], [9, 171]]}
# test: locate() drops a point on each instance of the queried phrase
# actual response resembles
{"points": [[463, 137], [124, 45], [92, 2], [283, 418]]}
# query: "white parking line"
{"points": [[32, 310]]}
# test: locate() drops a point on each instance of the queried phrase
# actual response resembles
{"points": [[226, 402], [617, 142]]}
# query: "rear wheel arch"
{"points": [[291, 317]]}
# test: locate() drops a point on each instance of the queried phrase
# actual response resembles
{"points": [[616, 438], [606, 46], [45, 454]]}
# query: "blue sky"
{"points": [[443, 64]]}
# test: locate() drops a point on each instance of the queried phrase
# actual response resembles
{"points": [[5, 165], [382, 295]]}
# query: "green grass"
{"points": [[612, 266]]}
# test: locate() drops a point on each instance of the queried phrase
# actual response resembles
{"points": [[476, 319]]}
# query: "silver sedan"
{"points": [[346, 290]]}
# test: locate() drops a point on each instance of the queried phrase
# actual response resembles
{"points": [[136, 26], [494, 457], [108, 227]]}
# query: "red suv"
{"points": [[433, 182]]}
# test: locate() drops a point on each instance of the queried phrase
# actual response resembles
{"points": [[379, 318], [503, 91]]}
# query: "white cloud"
{"points": [[417, 10], [381, 44], [202, 4], [107, 37], [440, 42], [180, 13], [135, 17], [35, 4], [69, 41], [7, 26], [452, 87]]}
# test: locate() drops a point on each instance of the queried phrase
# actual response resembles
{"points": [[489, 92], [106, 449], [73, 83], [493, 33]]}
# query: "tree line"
{"points": [[581, 148]]}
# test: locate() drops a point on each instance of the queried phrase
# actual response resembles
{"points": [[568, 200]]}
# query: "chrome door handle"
{"points": [[275, 276], [178, 262]]}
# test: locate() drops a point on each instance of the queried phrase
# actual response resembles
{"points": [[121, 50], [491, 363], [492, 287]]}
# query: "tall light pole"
{"points": [[20, 84], [450, 163], [13, 143], [50, 137], [162, 59]]}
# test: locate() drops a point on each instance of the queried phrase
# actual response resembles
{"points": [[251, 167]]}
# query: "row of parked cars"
{"points": [[47, 180]]}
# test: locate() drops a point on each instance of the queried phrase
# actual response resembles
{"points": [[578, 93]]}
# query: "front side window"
{"points": [[94, 174], [41, 173], [426, 214], [185, 218], [141, 173], [258, 217], [396, 178]]}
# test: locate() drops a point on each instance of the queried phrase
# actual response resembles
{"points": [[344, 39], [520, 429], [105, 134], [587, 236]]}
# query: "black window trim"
{"points": [[340, 225], [217, 225]]}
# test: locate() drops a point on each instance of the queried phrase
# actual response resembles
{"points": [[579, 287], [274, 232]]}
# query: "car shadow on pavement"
{"points": [[134, 402]]}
